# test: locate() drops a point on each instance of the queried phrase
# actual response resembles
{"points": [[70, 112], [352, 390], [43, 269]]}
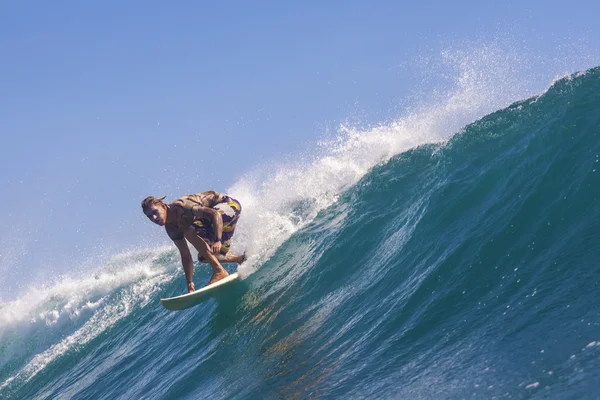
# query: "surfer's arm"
{"points": [[186, 261], [211, 215]]}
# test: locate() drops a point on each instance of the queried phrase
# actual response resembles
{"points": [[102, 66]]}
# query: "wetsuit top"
{"points": [[182, 207]]}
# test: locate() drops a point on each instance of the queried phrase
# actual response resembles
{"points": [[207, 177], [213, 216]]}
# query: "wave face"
{"points": [[467, 268]]}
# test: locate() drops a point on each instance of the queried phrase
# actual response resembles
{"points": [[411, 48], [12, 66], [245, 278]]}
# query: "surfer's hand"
{"points": [[216, 248], [191, 287]]}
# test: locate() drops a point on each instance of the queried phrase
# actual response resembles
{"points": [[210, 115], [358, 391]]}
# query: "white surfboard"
{"points": [[191, 299]]}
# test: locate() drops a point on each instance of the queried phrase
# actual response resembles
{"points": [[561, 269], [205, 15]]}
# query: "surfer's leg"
{"points": [[230, 211], [206, 234], [205, 252]]}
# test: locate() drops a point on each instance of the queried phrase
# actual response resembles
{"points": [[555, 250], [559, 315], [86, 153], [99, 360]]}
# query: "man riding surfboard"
{"points": [[207, 220]]}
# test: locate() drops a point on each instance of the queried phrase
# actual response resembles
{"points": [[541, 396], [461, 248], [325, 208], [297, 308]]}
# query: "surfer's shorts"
{"points": [[230, 210]]}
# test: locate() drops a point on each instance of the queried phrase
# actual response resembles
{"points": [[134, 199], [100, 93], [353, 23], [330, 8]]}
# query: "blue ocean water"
{"points": [[461, 268]]}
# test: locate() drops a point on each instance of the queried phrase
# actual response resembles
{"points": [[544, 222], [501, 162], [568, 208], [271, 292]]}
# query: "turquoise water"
{"points": [[465, 268]]}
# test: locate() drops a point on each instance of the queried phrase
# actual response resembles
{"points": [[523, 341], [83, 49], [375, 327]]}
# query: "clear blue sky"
{"points": [[103, 103]]}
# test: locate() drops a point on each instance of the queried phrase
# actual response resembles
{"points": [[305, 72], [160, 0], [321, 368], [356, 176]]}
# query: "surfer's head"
{"points": [[155, 209]]}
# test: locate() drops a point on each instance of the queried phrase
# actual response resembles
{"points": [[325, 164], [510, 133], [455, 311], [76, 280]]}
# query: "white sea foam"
{"points": [[81, 307], [68, 296]]}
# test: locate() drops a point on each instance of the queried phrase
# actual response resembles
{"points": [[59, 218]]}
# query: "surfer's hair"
{"points": [[151, 200]]}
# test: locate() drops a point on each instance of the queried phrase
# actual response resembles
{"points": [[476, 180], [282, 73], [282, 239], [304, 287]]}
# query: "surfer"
{"points": [[207, 220]]}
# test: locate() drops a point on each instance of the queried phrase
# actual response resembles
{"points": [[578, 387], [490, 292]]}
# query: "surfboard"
{"points": [[191, 299]]}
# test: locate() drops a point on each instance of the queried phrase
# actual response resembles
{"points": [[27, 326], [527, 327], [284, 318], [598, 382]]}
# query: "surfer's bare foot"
{"points": [[232, 258], [239, 259], [217, 276]]}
